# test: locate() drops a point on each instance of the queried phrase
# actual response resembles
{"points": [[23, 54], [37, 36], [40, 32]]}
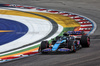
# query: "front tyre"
{"points": [[43, 45], [72, 46]]}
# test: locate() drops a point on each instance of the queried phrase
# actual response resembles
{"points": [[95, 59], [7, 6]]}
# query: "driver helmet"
{"points": [[64, 38]]}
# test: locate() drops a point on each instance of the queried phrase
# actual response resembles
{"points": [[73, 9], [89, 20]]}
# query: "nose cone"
{"points": [[55, 47]]}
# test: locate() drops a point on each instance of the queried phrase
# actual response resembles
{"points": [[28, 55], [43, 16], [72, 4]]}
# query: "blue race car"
{"points": [[66, 43]]}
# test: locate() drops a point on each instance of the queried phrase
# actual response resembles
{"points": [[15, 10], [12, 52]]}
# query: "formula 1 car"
{"points": [[69, 42]]}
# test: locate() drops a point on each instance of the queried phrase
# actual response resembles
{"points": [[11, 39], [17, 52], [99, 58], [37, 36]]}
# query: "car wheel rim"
{"points": [[88, 41]]}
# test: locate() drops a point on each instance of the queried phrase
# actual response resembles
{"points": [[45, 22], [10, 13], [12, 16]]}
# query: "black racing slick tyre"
{"points": [[85, 41], [71, 45], [43, 45], [73, 48]]}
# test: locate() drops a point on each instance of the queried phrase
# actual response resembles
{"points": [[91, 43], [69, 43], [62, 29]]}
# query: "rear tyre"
{"points": [[43, 45], [85, 41]]}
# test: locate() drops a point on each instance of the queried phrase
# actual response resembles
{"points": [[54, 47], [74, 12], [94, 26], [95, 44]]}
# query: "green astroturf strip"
{"points": [[64, 30]]}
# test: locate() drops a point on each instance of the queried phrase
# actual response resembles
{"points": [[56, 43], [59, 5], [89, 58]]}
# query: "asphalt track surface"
{"points": [[85, 56]]}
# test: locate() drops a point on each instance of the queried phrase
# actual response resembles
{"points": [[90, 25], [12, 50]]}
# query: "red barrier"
{"points": [[63, 13], [85, 30], [78, 18], [6, 4], [41, 9], [86, 27], [7, 58], [53, 11], [83, 21]]}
